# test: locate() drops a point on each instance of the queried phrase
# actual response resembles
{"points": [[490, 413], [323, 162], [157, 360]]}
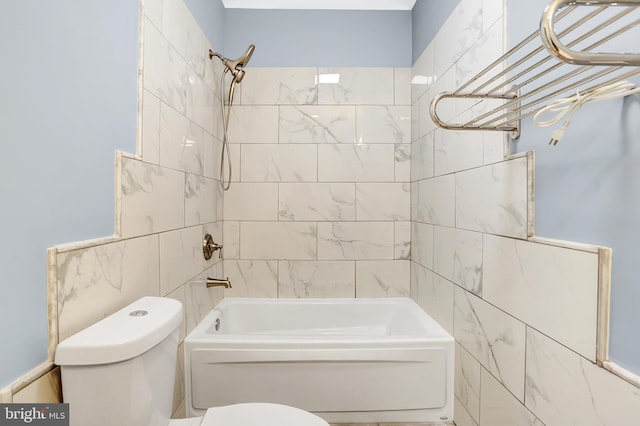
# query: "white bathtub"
{"points": [[346, 360]]}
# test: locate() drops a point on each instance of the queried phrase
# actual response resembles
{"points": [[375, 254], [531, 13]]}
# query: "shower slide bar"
{"points": [[544, 66]]}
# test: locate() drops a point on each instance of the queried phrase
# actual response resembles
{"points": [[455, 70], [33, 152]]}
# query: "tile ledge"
{"points": [[78, 245], [622, 372], [589, 248], [6, 394]]}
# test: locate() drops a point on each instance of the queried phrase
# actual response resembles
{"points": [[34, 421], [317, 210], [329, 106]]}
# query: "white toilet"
{"points": [[121, 371]]}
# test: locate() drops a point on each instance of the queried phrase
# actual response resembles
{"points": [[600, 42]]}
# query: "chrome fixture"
{"points": [[236, 67], [521, 82], [217, 282], [209, 247]]}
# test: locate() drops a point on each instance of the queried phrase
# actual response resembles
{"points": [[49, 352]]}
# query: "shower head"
{"points": [[236, 66]]}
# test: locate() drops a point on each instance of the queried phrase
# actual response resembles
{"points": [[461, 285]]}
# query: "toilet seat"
{"points": [[260, 414]]}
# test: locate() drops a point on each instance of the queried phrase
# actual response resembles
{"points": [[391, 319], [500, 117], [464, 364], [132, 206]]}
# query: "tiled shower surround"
{"points": [[319, 201], [343, 187]]}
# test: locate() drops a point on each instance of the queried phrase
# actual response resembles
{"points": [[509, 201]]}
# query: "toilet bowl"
{"points": [[121, 371]]}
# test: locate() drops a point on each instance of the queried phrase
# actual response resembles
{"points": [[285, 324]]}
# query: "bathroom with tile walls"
{"points": [[343, 186]]}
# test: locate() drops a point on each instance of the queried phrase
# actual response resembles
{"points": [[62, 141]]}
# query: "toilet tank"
{"points": [[121, 370]]}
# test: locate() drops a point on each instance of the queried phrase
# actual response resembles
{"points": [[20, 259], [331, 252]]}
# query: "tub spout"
{"points": [[217, 282]]}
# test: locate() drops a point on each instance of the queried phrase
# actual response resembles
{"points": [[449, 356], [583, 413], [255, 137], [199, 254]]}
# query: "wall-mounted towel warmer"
{"points": [[519, 83]]}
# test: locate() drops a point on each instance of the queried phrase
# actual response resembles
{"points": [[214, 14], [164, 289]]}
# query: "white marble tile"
{"points": [[179, 26], [485, 51], [364, 86], [462, 416], [386, 278], [383, 201], [355, 240], [455, 151], [212, 148], [98, 281], [402, 240], [200, 103], [231, 156], [422, 244], [403, 162], [253, 124], [494, 199], [45, 389], [458, 257], [383, 124], [402, 85], [241, 200], [231, 243], [278, 240], [461, 30], [180, 257], [494, 147], [279, 86], [152, 198], [494, 338], [563, 388], [279, 163], [183, 32], [446, 109], [436, 200], [200, 300], [200, 200], [317, 124], [316, 279], [422, 158], [492, 10], [414, 188], [422, 74], [499, 407], [152, 9], [181, 142], [150, 148], [317, 201], [434, 295], [415, 120], [553, 289], [252, 278], [467, 383], [164, 70], [356, 163]]}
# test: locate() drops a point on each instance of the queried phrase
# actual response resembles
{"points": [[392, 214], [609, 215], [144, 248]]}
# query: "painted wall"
{"points": [[505, 296], [320, 38], [68, 84], [427, 17], [588, 187]]}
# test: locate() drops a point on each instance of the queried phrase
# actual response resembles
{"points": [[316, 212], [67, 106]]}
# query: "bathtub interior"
{"points": [[320, 318]]}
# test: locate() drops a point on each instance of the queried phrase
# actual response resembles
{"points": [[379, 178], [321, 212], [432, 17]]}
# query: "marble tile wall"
{"points": [[523, 310], [168, 195], [319, 204]]}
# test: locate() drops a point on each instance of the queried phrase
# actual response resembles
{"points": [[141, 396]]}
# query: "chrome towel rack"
{"points": [[559, 58]]}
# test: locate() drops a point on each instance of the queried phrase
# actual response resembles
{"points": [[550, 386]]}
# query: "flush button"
{"points": [[138, 313]]}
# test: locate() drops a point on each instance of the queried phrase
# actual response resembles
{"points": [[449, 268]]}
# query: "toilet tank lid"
{"points": [[123, 335]]}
